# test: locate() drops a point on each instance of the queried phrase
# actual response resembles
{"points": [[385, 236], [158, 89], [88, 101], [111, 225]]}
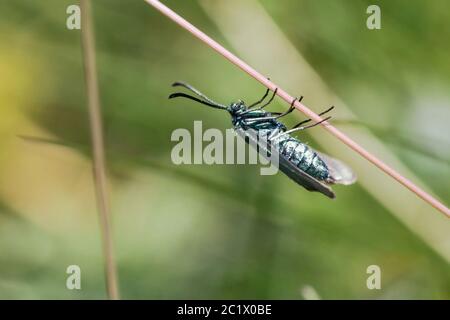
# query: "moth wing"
{"points": [[300, 177], [340, 173], [304, 179]]}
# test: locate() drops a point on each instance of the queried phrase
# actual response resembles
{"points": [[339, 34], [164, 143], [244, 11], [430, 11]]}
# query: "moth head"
{"points": [[237, 107]]}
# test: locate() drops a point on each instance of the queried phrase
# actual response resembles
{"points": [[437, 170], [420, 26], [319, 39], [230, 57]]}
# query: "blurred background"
{"points": [[223, 231]]}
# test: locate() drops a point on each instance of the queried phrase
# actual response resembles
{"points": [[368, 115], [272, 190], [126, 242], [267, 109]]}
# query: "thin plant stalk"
{"points": [[288, 98], [99, 167]]}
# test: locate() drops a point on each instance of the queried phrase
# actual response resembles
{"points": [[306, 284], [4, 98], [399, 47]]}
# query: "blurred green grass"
{"points": [[219, 231]]}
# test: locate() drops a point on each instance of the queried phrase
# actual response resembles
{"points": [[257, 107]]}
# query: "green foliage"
{"points": [[224, 231]]}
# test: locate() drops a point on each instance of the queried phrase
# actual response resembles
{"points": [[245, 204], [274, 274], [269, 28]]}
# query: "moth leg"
{"points": [[299, 128], [256, 120], [308, 120], [270, 100], [278, 114], [291, 108], [260, 100]]}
